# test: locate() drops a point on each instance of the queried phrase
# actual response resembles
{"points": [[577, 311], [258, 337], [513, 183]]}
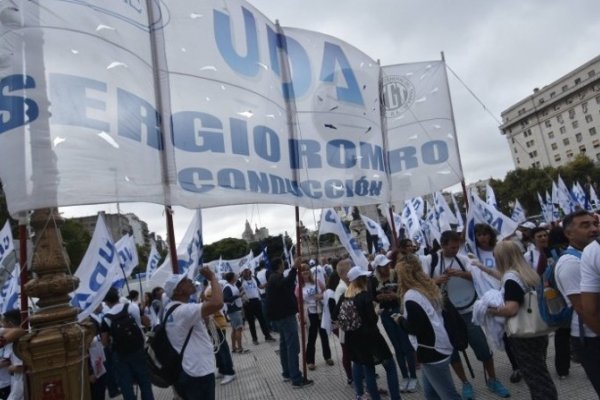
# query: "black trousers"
{"points": [[588, 352], [253, 312], [562, 351]]}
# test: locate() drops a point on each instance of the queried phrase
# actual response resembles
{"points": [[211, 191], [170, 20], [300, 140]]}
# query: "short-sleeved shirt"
{"points": [[132, 309], [487, 258], [568, 279], [198, 357], [446, 263], [590, 268]]}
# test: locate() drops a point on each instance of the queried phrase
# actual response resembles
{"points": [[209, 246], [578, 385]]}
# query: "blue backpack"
{"points": [[554, 309]]}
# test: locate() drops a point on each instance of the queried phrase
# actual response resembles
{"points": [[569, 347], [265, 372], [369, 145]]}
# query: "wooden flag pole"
{"points": [[300, 296]]}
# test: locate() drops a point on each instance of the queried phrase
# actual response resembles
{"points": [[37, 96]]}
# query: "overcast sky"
{"points": [[502, 50]]}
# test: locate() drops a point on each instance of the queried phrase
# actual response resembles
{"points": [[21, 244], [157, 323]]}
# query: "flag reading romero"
{"points": [[82, 118]]}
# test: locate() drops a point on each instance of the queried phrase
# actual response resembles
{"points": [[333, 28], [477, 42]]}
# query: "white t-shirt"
{"points": [[198, 357], [132, 309], [250, 288], [309, 292], [568, 280], [590, 268], [532, 256], [319, 274], [262, 279], [487, 258]]}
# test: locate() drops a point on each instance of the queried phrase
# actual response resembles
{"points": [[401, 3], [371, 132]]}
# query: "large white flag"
{"points": [[420, 132], [128, 260], [443, 212], [412, 222], [432, 226], [490, 197], [375, 229], [153, 260], [565, 200], [331, 223], [221, 267], [189, 254], [96, 271], [580, 197], [518, 214]]}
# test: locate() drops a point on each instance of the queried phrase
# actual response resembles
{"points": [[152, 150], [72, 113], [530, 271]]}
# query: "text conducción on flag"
{"points": [[98, 277]]}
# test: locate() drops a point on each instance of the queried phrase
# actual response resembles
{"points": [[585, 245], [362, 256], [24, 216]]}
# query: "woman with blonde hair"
{"points": [[365, 343], [517, 279], [423, 304]]}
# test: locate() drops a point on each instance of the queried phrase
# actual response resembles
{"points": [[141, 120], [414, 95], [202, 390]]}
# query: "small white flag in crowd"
{"points": [[331, 223], [518, 214], [376, 230]]}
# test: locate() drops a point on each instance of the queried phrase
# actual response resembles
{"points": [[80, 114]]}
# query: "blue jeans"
{"points": [[196, 388], [223, 356], [437, 381], [360, 371], [132, 368], [405, 353], [289, 348]]}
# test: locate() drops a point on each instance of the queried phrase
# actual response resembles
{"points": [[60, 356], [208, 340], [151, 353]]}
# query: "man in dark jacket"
{"points": [[281, 311]]}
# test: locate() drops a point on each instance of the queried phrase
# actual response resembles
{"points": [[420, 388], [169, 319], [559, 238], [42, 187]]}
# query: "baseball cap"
{"points": [[356, 272], [172, 283], [381, 261], [528, 225], [312, 262]]}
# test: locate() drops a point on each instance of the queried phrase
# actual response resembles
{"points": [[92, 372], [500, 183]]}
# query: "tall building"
{"points": [[557, 122], [141, 235], [117, 224]]}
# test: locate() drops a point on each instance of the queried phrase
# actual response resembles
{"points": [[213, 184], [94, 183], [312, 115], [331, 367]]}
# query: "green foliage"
{"points": [[228, 248], [76, 240]]}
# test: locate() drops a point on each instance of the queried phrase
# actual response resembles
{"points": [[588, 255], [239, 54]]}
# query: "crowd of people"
{"points": [[409, 292]]}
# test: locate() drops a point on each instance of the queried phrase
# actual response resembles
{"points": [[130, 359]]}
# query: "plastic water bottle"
{"points": [[554, 301]]}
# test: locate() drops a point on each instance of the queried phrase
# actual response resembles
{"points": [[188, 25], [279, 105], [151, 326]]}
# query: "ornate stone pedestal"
{"points": [[55, 352]]}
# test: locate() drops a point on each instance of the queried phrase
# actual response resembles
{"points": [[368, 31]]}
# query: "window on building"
{"points": [[556, 107], [584, 107], [598, 99], [571, 113], [550, 135], [575, 124], [536, 164], [557, 157], [569, 100], [563, 129], [566, 141], [552, 94], [559, 118], [582, 148], [554, 146], [598, 156], [577, 81], [512, 140], [518, 161], [596, 143], [588, 118], [591, 73], [564, 88], [578, 137], [592, 131], [548, 123], [569, 153]]}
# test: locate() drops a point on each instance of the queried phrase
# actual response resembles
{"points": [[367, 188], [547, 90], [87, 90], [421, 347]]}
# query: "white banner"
{"points": [[420, 133], [221, 267], [443, 212], [375, 229], [189, 254], [128, 260], [96, 271], [481, 212], [331, 223]]}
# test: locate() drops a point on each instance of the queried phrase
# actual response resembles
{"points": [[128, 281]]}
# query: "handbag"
{"points": [[528, 321]]}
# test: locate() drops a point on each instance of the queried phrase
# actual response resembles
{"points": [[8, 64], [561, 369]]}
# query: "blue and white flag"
{"points": [[432, 227], [11, 291], [443, 212], [128, 260], [546, 209], [552, 200], [412, 224], [565, 200], [153, 260], [481, 212], [490, 197], [331, 223], [594, 201], [7, 245], [376, 230], [458, 215], [286, 253], [518, 214], [189, 254], [96, 271], [580, 197], [419, 206]]}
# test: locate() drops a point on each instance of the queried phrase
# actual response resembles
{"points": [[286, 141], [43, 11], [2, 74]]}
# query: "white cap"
{"points": [[381, 261], [312, 262], [357, 272], [528, 225], [172, 283]]}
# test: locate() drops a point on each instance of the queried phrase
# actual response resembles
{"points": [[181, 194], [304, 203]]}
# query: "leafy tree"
{"points": [[228, 248], [76, 240]]}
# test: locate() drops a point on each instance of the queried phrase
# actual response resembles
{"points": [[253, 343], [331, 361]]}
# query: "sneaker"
{"points": [[219, 375], [467, 391], [329, 362], [411, 387], [270, 339], [515, 377], [312, 367], [286, 379], [404, 385], [498, 388], [255, 342], [303, 383], [227, 379]]}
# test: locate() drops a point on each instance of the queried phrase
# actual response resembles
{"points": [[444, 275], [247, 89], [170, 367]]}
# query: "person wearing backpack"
{"points": [[121, 329], [581, 228], [451, 272], [423, 304], [356, 316], [518, 278], [197, 378]]}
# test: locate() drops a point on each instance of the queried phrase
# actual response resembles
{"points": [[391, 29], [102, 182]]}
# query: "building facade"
{"points": [[117, 224], [559, 121], [141, 235]]}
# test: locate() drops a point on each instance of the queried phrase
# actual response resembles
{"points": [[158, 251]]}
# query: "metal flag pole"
{"points": [[23, 266], [300, 295]]}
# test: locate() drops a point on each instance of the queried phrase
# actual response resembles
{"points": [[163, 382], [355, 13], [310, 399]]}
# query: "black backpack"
{"points": [[126, 335], [163, 360], [455, 325]]}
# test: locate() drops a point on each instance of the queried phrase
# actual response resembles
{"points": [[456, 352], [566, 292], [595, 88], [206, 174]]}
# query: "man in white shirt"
{"points": [[581, 228], [197, 378], [451, 272]]}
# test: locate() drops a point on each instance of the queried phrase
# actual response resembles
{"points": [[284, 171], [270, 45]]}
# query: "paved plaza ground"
{"points": [[259, 378]]}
